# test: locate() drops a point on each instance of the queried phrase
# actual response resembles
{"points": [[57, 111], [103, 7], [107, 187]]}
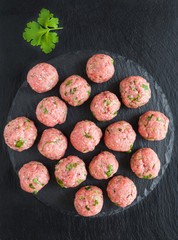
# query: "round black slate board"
{"points": [[25, 103]]}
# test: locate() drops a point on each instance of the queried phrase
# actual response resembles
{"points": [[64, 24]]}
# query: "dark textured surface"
{"points": [[144, 31], [75, 63]]}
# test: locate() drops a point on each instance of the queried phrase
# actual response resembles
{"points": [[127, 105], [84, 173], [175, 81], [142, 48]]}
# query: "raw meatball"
{"points": [[33, 177], [100, 68], [145, 163], [75, 90], [42, 77], [153, 126], [51, 111], [85, 136], [53, 144], [120, 136], [121, 191], [88, 201], [135, 91], [70, 172], [20, 134], [103, 166], [104, 106]]}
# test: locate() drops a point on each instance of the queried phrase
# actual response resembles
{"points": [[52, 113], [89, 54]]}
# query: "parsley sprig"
{"points": [[39, 33]]}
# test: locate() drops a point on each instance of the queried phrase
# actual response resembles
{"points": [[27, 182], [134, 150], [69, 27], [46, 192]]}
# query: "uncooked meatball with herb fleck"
{"points": [[88, 201], [70, 172], [145, 163], [33, 177], [42, 77], [85, 136], [20, 134], [100, 68], [75, 90], [135, 91], [105, 106], [153, 125], [52, 144], [51, 111], [121, 191], [103, 166], [120, 136]]}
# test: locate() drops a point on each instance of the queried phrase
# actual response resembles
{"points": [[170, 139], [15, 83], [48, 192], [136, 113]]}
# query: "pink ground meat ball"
{"points": [[33, 177], [121, 191], [51, 111], [70, 172], [135, 91], [88, 201], [20, 134], [153, 125], [104, 106], [100, 68], [145, 163], [120, 136], [53, 144], [42, 77], [75, 90], [103, 166], [85, 136]]}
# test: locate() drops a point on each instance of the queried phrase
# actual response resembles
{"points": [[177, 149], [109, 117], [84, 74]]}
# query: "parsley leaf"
{"points": [[19, 143], [60, 182], [31, 186], [35, 180], [110, 168], [158, 119], [38, 33], [26, 120], [87, 208], [150, 117], [107, 102], [115, 113], [45, 111], [96, 202], [68, 82], [87, 136], [69, 166], [87, 188], [145, 87], [130, 149]]}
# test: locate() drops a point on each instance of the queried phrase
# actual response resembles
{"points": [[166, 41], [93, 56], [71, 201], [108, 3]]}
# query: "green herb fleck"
{"points": [[107, 102], [55, 103], [107, 130], [35, 192], [153, 166], [39, 33], [112, 61], [96, 202], [150, 117], [35, 180], [158, 119], [26, 120], [75, 165], [79, 180], [145, 87], [87, 136], [60, 182], [119, 129], [65, 93], [110, 168], [68, 82], [89, 93], [130, 149], [88, 85], [147, 177], [138, 97], [81, 197], [31, 186], [93, 114], [19, 143], [87, 188], [115, 113], [41, 106], [69, 166], [45, 111], [87, 208]]}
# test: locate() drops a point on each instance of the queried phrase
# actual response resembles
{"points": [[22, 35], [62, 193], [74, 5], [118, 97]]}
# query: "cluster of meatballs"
{"points": [[20, 134]]}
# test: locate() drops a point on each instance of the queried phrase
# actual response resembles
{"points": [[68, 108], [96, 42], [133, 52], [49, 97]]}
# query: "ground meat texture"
{"points": [[120, 136], [121, 191], [42, 77], [75, 90], [88, 201], [33, 177], [145, 163], [51, 111], [85, 136], [153, 125], [135, 91], [20, 134], [103, 166], [100, 68], [53, 144], [104, 106], [70, 172]]}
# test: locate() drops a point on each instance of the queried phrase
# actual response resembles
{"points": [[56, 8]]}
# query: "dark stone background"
{"points": [[144, 31]]}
